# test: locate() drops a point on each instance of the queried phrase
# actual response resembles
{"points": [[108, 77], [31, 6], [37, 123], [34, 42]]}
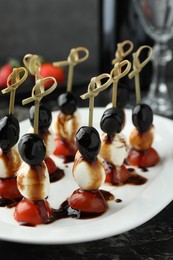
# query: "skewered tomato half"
{"points": [[32, 212], [143, 159], [9, 190]]}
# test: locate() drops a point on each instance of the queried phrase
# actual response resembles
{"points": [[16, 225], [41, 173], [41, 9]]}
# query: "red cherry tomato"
{"points": [[149, 158], [108, 178], [5, 71], [115, 175], [30, 212], [109, 172], [120, 175], [143, 159], [51, 166], [134, 157], [9, 190], [61, 148], [88, 201], [48, 70]]}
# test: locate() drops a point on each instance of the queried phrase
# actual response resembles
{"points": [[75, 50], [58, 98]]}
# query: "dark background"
{"points": [[51, 28]]}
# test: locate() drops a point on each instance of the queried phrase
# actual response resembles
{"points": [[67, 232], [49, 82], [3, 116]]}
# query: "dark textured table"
{"points": [[152, 240]]}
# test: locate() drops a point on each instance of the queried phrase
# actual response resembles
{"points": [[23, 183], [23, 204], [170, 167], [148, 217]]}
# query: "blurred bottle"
{"points": [[118, 21]]}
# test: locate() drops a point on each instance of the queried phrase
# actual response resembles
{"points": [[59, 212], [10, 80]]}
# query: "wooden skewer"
{"points": [[121, 53], [33, 64], [14, 80], [37, 95], [94, 88], [137, 67], [72, 60], [117, 73]]}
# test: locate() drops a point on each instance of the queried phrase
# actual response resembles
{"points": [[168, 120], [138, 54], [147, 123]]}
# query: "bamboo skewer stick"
{"points": [[14, 80], [123, 49], [72, 60], [117, 73], [137, 67], [37, 95], [94, 88]]}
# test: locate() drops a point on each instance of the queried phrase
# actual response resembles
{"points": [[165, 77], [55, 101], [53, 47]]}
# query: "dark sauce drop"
{"points": [[126, 162], [107, 195], [43, 211], [136, 179], [9, 203], [143, 169], [109, 138], [56, 176], [133, 178], [131, 169], [69, 158], [118, 200], [26, 224]]}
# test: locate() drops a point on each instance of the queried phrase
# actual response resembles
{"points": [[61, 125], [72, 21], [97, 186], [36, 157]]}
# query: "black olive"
{"points": [[112, 120], [9, 132], [142, 117], [88, 142], [67, 103], [32, 149], [45, 118]]}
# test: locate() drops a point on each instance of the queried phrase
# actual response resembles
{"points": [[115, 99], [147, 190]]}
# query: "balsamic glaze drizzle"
{"points": [[56, 176]]}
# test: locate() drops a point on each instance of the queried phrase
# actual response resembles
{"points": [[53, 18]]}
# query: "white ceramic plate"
{"points": [[139, 203]]}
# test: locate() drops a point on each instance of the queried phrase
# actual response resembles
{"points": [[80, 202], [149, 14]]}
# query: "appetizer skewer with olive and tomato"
{"points": [[33, 182], [113, 142], [141, 153], [66, 124], [88, 170], [9, 134], [32, 176]]}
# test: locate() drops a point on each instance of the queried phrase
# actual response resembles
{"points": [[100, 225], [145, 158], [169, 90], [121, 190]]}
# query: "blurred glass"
{"points": [[156, 17]]}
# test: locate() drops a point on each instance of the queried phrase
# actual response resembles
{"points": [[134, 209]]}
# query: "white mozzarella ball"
{"points": [[114, 151], [66, 126], [88, 176], [33, 182], [9, 163]]}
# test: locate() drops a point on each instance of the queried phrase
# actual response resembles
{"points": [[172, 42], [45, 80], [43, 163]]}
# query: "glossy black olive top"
{"points": [[9, 132], [32, 149], [88, 142], [142, 117], [45, 118], [112, 120], [67, 103]]}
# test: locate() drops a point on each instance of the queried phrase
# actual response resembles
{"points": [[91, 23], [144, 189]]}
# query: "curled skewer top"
{"points": [[121, 53], [14, 80]]}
